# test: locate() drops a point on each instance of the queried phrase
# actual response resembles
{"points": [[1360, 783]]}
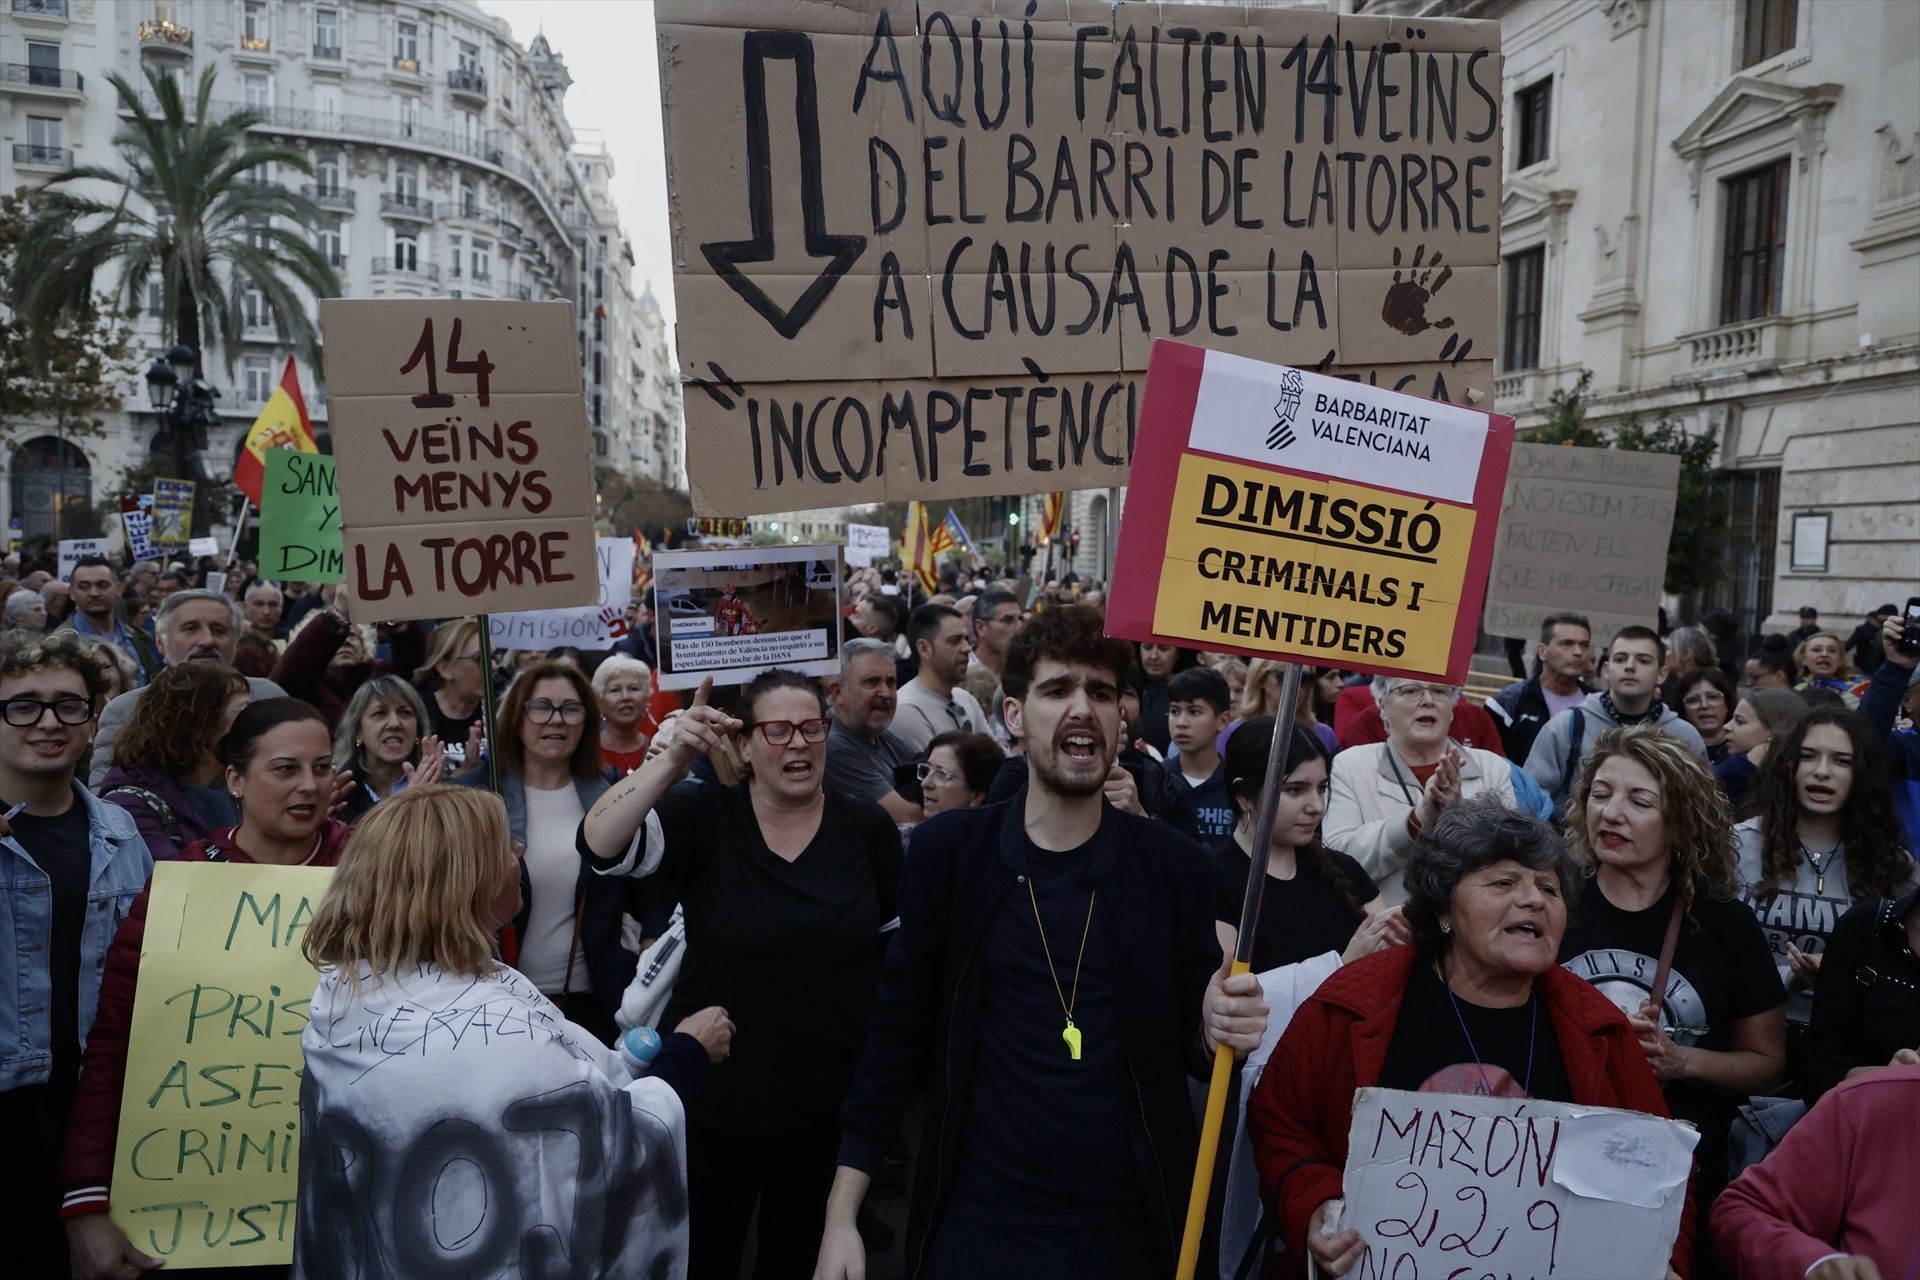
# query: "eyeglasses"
{"points": [[925, 770], [24, 713], [1415, 693], [1706, 698], [540, 711], [779, 733]]}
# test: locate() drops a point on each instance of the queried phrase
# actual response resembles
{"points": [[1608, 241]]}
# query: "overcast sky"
{"points": [[616, 95]]}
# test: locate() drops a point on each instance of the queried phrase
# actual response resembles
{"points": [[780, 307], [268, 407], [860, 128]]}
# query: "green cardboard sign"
{"points": [[300, 518]]}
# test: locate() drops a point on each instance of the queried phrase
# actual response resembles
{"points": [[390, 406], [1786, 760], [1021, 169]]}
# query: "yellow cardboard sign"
{"points": [[209, 1150], [1325, 569]]}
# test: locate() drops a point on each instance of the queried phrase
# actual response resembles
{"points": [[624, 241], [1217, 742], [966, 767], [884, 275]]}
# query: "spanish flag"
{"points": [[1050, 514], [918, 543], [283, 424]]}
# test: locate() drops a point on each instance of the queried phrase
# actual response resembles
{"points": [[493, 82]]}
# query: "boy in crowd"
{"points": [[1197, 712]]}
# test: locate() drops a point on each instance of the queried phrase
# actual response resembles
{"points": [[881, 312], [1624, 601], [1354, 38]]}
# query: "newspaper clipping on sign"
{"points": [[733, 614]]}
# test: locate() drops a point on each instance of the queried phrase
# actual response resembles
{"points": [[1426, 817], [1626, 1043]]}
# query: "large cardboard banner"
{"points": [[1584, 530], [209, 1148], [1442, 1184], [463, 454], [595, 626], [1279, 513], [172, 515], [300, 518], [923, 251], [733, 614]]}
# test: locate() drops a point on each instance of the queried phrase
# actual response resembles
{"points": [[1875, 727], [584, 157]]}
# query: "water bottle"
{"points": [[638, 1048]]}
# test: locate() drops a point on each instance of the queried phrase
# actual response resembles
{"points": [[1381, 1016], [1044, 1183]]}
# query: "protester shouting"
{"points": [[406, 934], [786, 889], [1059, 1135], [70, 868], [279, 769], [567, 934], [167, 770], [1648, 820], [378, 743], [1475, 1006], [1383, 793], [1824, 838]]}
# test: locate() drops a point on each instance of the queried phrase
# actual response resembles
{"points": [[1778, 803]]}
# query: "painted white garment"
{"points": [[1285, 989], [462, 1126]]}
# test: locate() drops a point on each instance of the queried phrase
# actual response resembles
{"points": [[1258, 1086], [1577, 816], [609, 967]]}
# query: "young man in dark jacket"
{"points": [[1558, 683], [1056, 978]]}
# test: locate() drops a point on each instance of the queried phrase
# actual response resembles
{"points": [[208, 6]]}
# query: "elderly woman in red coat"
{"points": [[1475, 1005]]}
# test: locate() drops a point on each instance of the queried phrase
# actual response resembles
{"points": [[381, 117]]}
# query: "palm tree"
{"points": [[187, 207]]}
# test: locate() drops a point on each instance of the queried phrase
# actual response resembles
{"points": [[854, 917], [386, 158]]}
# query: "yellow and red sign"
{"points": [[1279, 513]]}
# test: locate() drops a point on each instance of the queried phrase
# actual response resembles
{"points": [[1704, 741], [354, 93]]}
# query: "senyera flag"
{"points": [[1280, 513], [918, 543], [283, 424]]}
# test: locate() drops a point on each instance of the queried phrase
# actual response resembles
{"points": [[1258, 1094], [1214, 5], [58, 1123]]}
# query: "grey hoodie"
{"points": [[1547, 762]]}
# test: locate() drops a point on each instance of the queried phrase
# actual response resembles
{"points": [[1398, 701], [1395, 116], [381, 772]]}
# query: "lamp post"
{"points": [[183, 401]]}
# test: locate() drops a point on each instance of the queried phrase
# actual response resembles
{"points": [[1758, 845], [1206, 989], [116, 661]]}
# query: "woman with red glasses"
{"points": [[786, 890]]}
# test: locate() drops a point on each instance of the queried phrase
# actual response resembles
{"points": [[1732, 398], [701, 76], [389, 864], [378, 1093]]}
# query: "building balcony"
{"points": [[326, 52], [403, 206], [47, 11], [407, 66], [418, 271], [256, 44], [467, 211], [41, 82], [1733, 346], [165, 36], [29, 155], [467, 82], [509, 230], [329, 197]]}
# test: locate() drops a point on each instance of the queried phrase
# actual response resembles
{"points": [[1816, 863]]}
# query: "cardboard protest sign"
{"points": [[1279, 513], [1449, 1184], [594, 626], [463, 456], [867, 543], [300, 518], [209, 1148], [172, 515], [136, 519], [733, 614], [72, 550], [923, 251], [1584, 530]]}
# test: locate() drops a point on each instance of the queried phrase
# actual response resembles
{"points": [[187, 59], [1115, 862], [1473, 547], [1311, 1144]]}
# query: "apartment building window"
{"points": [[333, 245], [600, 444], [406, 254], [596, 408], [43, 139], [455, 258], [155, 298], [1520, 339], [406, 45], [1533, 106], [253, 25], [469, 128], [1753, 252], [256, 91], [406, 182], [326, 31], [482, 260], [1767, 28], [258, 374], [409, 115], [43, 63], [468, 56], [467, 202], [255, 309], [326, 100], [326, 177], [599, 369]]}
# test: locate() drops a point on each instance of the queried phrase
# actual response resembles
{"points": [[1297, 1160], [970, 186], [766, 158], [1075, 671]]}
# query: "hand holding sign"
{"points": [[100, 1250]]}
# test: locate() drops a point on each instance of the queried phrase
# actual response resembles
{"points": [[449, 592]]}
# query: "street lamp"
{"points": [[183, 401]]}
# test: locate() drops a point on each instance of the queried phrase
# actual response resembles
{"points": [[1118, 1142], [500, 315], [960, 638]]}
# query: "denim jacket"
{"points": [[121, 868]]}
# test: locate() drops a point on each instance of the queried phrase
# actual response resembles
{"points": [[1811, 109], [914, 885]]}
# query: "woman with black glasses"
{"points": [[786, 889], [566, 939]]}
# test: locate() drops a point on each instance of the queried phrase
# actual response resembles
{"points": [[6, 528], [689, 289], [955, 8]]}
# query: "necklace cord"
{"points": [[1533, 1027], [1066, 1005]]}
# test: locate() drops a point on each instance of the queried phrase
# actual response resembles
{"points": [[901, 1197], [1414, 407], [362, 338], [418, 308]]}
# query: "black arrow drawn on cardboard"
{"points": [[840, 252]]}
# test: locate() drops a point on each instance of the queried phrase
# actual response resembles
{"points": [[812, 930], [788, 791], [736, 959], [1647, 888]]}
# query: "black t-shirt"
{"points": [[1299, 918], [61, 848], [1722, 972], [1501, 1053], [791, 949], [1046, 1141], [452, 732]]}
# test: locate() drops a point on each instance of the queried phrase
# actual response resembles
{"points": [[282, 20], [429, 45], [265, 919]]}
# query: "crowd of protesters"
{"points": [[988, 873]]}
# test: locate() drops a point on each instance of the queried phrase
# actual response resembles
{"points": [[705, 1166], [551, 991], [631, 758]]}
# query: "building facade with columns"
{"points": [[444, 165], [1715, 207]]}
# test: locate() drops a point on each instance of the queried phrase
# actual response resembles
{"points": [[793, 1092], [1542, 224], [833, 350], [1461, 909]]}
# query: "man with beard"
{"points": [[96, 614], [862, 752], [934, 701], [192, 626], [1060, 1136]]}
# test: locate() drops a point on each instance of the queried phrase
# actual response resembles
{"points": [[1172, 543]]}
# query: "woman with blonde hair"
{"points": [[1652, 828], [1823, 656], [545, 1119], [1261, 697], [452, 682]]}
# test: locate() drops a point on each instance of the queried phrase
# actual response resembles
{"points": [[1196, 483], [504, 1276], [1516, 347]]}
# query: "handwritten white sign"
{"points": [[1443, 1184]]}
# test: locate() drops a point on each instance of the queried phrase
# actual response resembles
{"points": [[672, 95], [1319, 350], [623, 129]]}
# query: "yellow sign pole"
{"points": [[1214, 1118]]}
